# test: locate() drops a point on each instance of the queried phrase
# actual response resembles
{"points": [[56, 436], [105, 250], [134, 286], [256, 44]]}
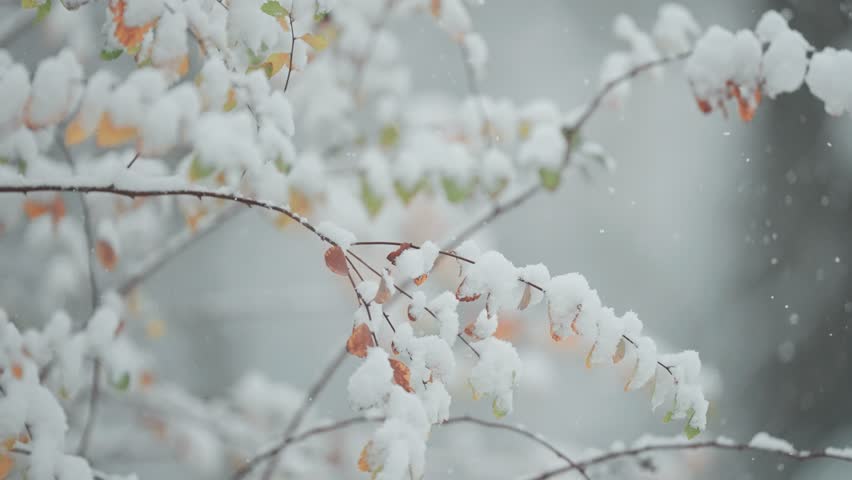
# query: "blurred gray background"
{"points": [[728, 238]]}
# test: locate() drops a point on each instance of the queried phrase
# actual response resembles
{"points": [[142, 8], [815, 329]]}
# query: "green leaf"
{"points": [[198, 170], [406, 194], [497, 411], [549, 178], [122, 383], [690, 431], [108, 55], [668, 417], [320, 16], [457, 193], [281, 165], [372, 201], [389, 136], [42, 11], [274, 9], [29, 4]]}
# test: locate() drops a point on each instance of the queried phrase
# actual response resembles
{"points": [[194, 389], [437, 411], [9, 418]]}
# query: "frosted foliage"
{"points": [[309, 112]]}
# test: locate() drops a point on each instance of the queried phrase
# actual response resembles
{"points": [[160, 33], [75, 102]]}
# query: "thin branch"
{"points": [[295, 422], [523, 432], [292, 48], [89, 423], [719, 444]]}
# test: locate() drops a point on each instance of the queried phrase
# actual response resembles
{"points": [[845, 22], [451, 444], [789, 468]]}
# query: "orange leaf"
{"points": [[299, 204], [360, 340], [435, 8], [130, 37], [618, 356], [335, 260], [384, 292], [17, 370], [35, 209], [274, 63], [525, 298], [284, 23], [411, 316], [401, 375], [6, 465], [704, 105], [589, 356], [462, 298], [109, 135], [183, 66], [75, 133], [363, 464], [146, 379], [106, 255], [396, 253], [419, 280], [318, 42]]}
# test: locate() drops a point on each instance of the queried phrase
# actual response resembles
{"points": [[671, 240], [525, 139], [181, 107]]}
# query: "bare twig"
{"points": [[292, 48], [719, 444], [296, 421]]}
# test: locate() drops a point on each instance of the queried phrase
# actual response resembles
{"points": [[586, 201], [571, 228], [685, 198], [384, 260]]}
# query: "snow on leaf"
{"points": [[335, 260], [465, 298], [360, 341], [401, 374], [274, 63], [525, 298], [392, 256]]}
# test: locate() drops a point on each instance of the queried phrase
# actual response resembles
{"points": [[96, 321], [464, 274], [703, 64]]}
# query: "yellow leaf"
{"points": [[231, 102], [155, 329], [110, 135], [363, 464], [75, 133], [6, 465], [274, 63], [318, 42]]}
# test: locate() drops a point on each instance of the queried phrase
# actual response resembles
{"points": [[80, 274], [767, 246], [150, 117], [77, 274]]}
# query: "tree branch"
{"points": [[315, 390], [718, 444]]}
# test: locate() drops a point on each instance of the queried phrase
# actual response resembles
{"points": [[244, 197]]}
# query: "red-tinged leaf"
{"points": [[401, 375], [620, 350], [555, 336], [462, 298], [17, 370], [106, 255], [119, 328], [419, 280], [574, 321], [396, 253], [335, 260], [525, 298], [360, 341], [435, 8], [411, 316], [363, 464], [469, 329], [384, 292], [704, 105], [35, 209]]}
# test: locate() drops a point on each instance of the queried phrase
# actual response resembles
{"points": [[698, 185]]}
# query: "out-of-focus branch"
{"points": [[296, 421], [718, 444]]}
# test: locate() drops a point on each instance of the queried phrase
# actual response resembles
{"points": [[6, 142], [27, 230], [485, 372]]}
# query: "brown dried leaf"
{"points": [[619, 352], [419, 280], [335, 260], [462, 298], [396, 253], [360, 341], [401, 375], [411, 316], [384, 292], [589, 356], [469, 329], [525, 298], [106, 255]]}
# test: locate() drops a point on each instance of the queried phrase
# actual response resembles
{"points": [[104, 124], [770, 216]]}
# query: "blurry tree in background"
{"points": [[226, 223]]}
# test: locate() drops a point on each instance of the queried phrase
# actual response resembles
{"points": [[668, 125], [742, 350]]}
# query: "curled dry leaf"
{"points": [[419, 280], [469, 330], [411, 316], [335, 260], [130, 37], [360, 340], [525, 298], [383, 294], [401, 375], [106, 255], [396, 253], [462, 298]]}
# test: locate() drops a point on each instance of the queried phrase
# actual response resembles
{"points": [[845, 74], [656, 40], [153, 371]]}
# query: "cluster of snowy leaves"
{"points": [[43, 372]]}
